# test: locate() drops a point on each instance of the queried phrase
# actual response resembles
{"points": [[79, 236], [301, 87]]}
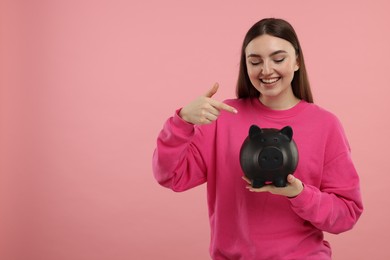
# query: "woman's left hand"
{"points": [[294, 187]]}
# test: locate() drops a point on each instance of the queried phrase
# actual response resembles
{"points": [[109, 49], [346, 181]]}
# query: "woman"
{"points": [[201, 143]]}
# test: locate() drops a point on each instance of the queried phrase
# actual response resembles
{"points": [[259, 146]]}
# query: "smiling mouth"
{"points": [[269, 81]]}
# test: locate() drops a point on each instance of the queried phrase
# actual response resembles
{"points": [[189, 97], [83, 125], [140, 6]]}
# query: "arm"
{"points": [[336, 205], [178, 163]]}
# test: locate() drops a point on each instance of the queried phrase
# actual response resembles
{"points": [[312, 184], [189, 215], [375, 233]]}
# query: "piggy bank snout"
{"points": [[271, 158]]}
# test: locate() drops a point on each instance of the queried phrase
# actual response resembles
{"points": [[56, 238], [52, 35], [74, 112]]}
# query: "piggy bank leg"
{"points": [[258, 183], [281, 182]]}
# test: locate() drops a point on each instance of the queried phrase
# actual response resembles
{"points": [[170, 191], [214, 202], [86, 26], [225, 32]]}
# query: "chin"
{"points": [[270, 93]]}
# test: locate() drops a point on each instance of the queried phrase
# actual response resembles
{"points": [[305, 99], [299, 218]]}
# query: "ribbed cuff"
{"points": [[301, 201], [181, 125]]}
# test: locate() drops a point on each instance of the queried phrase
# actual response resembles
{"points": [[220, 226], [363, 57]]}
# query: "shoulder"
{"points": [[319, 113], [330, 124], [325, 123]]}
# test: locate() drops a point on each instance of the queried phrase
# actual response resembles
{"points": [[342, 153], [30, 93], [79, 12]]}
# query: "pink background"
{"points": [[87, 85]]}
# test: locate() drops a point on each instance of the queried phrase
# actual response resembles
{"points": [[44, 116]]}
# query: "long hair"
{"points": [[281, 29]]}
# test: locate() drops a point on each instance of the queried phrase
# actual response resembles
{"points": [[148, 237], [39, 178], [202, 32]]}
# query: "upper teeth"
{"points": [[269, 80]]}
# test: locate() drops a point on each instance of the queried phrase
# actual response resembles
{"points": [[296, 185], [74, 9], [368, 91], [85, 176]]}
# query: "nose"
{"points": [[266, 69]]}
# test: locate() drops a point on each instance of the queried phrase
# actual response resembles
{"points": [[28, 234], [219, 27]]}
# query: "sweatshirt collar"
{"points": [[268, 112]]}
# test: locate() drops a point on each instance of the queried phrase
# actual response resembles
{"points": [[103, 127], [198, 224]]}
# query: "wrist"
{"points": [[182, 115], [299, 191]]}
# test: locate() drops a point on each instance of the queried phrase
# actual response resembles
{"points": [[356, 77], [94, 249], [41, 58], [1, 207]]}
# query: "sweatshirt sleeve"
{"points": [[336, 205], [178, 162]]}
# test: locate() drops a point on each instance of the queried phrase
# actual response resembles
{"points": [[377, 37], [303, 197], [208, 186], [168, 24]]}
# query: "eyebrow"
{"points": [[272, 54]]}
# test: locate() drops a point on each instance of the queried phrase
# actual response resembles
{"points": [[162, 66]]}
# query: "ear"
{"points": [[254, 130], [287, 131], [297, 63]]}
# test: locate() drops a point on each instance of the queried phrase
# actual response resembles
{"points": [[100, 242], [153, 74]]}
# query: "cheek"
{"points": [[287, 70], [253, 73]]}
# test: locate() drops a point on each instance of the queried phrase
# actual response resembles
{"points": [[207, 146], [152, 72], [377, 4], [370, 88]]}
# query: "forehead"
{"points": [[265, 44]]}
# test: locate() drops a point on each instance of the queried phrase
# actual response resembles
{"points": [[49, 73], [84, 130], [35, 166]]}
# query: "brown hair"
{"points": [[281, 29]]}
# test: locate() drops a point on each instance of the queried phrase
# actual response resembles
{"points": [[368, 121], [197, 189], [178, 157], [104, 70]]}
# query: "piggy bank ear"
{"points": [[254, 131], [287, 131]]}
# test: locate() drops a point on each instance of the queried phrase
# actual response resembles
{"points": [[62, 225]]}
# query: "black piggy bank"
{"points": [[268, 155]]}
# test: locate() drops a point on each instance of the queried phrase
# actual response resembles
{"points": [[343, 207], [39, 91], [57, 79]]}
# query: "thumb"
{"points": [[212, 91], [291, 179]]}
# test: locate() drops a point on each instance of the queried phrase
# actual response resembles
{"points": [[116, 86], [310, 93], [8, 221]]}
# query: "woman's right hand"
{"points": [[204, 109]]}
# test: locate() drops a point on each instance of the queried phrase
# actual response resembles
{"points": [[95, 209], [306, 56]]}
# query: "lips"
{"points": [[270, 80]]}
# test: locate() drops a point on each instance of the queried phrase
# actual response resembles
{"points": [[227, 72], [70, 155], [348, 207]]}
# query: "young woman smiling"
{"points": [[200, 144]]}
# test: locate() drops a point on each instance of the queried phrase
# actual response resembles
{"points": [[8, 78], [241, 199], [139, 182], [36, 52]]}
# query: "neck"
{"points": [[281, 102]]}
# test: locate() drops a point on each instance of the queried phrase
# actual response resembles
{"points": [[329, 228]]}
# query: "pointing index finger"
{"points": [[229, 108], [223, 106]]}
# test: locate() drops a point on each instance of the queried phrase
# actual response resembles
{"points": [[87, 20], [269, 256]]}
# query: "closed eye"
{"points": [[255, 62], [279, 60]]}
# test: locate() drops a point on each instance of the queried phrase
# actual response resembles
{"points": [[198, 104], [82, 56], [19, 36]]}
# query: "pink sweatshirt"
{"points": [[249, 225]]}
